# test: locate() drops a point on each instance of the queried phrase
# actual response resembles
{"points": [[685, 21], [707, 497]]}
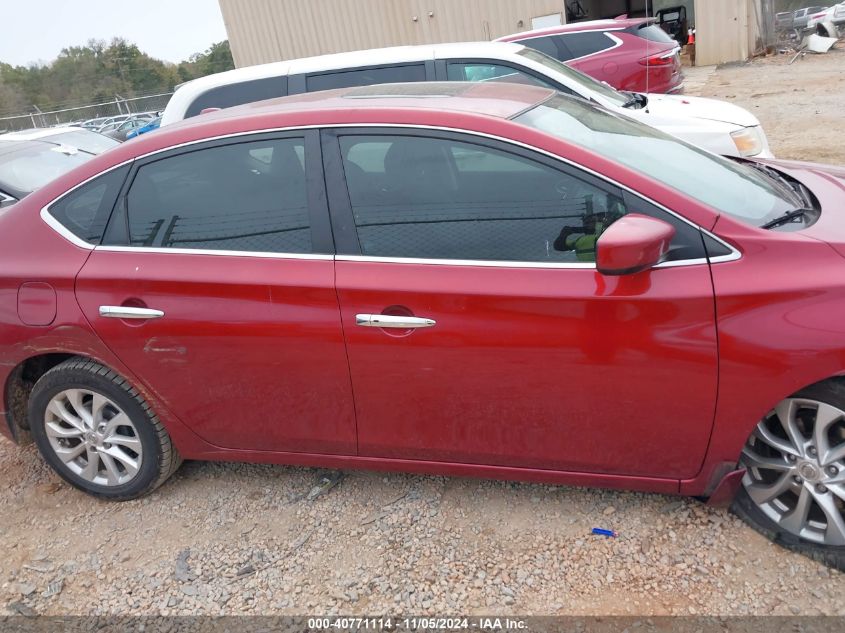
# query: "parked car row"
{"points": [[120, 126], [823, 20]]}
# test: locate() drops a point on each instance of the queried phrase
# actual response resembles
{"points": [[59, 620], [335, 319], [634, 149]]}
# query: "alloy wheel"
{"points": [[795, 469], [93, 437]]}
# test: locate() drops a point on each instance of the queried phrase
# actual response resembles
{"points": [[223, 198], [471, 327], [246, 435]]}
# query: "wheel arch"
{"points": [[22, 378]]}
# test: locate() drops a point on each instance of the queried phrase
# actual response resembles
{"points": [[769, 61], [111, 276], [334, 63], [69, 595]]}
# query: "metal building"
{"points": [[262, 31]]}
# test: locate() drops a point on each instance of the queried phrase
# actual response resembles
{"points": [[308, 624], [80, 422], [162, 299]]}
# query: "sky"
{"points": [[170, 30]]}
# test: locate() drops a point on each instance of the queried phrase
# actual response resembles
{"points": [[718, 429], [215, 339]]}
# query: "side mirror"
{"points": [[632, 244]]}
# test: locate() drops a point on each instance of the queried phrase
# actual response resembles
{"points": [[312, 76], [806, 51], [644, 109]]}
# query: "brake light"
{"points": [[661, 59]]}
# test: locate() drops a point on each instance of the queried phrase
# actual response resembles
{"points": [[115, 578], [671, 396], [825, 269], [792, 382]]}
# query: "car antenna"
{"points": [[648, 10]]}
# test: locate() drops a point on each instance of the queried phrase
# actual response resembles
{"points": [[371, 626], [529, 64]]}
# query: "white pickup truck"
{"points": [[829, 21]]}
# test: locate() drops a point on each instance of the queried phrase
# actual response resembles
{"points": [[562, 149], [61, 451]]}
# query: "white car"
{"points": [[718, 126], [828, 21], [80, 138]]}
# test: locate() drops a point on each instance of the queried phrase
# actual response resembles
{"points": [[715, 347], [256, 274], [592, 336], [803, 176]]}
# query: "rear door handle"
{"points": [[126, 312], [389, 321]]}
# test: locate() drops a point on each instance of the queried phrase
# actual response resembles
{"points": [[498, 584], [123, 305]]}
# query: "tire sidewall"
{"points": [[63, 378], [743, 506]]}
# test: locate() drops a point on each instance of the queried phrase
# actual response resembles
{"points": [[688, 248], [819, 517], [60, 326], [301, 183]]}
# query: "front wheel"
{"points": [[793, 490], [98, 433]]}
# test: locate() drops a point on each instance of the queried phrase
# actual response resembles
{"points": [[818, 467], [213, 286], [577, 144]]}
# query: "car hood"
{"points": [[828, 185], [700, 108]]}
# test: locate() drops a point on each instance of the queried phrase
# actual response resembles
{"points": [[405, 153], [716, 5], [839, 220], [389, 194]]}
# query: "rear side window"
{"points": [[587, 43], [242, 197], [480, 71], [551, 45], [238, 94], [654, 33], [86, 210], [366, 77]]}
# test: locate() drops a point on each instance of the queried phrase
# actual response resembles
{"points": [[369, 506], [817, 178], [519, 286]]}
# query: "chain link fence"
{"points": [[63, 116]]}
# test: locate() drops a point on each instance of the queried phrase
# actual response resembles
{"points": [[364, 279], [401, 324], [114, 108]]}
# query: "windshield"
{"points": [[27, 170], [579, 79], [734, 189]]}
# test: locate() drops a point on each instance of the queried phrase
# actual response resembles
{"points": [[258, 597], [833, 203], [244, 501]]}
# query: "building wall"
{"points": [[262, 31], [727, 30]]}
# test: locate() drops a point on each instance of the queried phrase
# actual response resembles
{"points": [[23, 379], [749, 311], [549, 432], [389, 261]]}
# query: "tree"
{"points": [[97, 71]]}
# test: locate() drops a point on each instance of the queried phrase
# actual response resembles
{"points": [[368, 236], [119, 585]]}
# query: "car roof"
{"points": [[486, 99], [339, 61], [33, 134], [575, 27]]}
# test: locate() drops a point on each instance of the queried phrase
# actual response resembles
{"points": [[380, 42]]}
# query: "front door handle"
{"points": [[126, 312], [390, 321]]}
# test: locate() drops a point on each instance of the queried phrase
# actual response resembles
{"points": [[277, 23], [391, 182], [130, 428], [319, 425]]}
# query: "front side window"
{"points": [[242, 197], [366, 77], [418, 197], [480, 71]]}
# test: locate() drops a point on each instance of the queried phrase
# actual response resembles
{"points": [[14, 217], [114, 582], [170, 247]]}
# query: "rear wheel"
{"points": [[793, 490], [98, 433]]}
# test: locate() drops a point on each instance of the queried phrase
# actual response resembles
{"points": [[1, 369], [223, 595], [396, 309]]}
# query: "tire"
{"points": [[75, 410], [778, 519]]}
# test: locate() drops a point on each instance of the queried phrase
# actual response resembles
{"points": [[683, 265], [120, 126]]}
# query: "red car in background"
{"points": [[628, 54]]}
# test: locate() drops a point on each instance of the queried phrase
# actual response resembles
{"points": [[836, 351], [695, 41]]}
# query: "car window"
{"points": [[431, 198], [551, 45], [481, 71], [85, 211], [654, 33], [243, 197], [366, 77], [587, 43], [239, 93], [734, 189]]}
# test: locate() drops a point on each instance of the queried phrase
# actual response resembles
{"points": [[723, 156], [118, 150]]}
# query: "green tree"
{"points": [[97, 71]]}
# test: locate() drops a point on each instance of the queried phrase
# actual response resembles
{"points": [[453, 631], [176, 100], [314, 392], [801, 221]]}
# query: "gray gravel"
{"points": [[236, 538]]}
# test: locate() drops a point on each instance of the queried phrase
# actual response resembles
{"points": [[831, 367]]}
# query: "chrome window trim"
{"points": [[208, 251], [59, 228]]}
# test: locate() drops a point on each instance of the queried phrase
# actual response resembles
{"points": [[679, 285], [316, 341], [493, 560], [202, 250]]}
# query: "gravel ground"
{"points": [[237, 538]]}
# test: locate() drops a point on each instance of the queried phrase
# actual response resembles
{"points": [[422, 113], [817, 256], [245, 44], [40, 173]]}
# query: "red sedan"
{"points": [[467, 279], [629, 54]]}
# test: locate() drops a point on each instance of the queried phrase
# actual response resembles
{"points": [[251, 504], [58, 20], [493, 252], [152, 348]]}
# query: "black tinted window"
{"points": [[480, 71], [587, 43], [551, 45], [238, 94], [366, 77], [85, 211], [653, 32], [444, 199], [243, 197]]}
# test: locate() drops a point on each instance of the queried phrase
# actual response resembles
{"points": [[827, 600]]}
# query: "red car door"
{"points": [[478, 329], [221, 297]]}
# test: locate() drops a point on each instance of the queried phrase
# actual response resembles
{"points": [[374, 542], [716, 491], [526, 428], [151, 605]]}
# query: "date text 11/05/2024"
{"points": [[416, 624]]}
